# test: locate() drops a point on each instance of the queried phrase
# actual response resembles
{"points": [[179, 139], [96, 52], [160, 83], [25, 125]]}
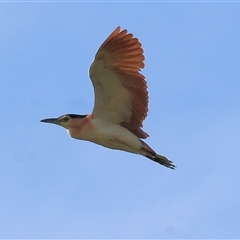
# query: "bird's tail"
{"points": [[151, 154]]}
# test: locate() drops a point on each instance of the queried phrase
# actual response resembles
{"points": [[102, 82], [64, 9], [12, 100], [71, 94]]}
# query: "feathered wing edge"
{"points": [[126, 60]]}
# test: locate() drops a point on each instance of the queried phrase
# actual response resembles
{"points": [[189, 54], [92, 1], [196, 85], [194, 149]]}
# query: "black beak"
{"points": [[50, 120]]}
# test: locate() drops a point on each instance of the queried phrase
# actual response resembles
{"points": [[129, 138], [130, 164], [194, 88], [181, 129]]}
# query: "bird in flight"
{"points": [[121, 100]]}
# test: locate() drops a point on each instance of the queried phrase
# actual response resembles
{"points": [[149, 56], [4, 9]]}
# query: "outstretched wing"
{"points": [[120, 90]]}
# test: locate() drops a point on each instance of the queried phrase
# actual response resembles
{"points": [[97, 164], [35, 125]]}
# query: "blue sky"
{"points": [[53, 186]]}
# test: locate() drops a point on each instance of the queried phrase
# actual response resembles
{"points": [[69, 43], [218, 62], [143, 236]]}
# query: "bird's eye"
{"points": [[65, 119]]}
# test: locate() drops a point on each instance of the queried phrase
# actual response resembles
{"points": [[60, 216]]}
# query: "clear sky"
{"points": [[52, 186]]}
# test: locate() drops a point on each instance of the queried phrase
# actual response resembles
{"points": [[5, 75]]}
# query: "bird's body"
{"points": [[107, 134], [121, 100]]}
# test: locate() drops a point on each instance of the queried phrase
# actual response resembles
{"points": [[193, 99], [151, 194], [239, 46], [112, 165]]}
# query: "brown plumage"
{"points": [[121, 100], [123, 55]]}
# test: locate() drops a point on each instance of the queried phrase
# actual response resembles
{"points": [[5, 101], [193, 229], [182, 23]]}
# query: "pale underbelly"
{"points": [[112, 136]]}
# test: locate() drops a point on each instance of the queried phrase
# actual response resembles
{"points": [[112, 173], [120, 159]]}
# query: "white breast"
{"points": [[113, 136]]}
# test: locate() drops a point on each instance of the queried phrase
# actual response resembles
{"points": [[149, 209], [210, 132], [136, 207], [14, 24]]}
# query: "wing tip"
{"points": [[123, 50]]}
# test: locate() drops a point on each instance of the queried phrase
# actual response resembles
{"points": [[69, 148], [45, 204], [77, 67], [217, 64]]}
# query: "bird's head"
{"points": [[67, 121]]}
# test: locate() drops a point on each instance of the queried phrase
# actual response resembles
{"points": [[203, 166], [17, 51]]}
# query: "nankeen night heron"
{"points": [[121, 100]]}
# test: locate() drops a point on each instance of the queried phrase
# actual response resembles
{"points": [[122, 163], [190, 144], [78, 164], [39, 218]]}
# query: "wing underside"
{"points": [[120, 90]]}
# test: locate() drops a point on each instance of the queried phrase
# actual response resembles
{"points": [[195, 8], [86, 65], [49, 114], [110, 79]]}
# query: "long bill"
{"points": [[50, 120]]}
